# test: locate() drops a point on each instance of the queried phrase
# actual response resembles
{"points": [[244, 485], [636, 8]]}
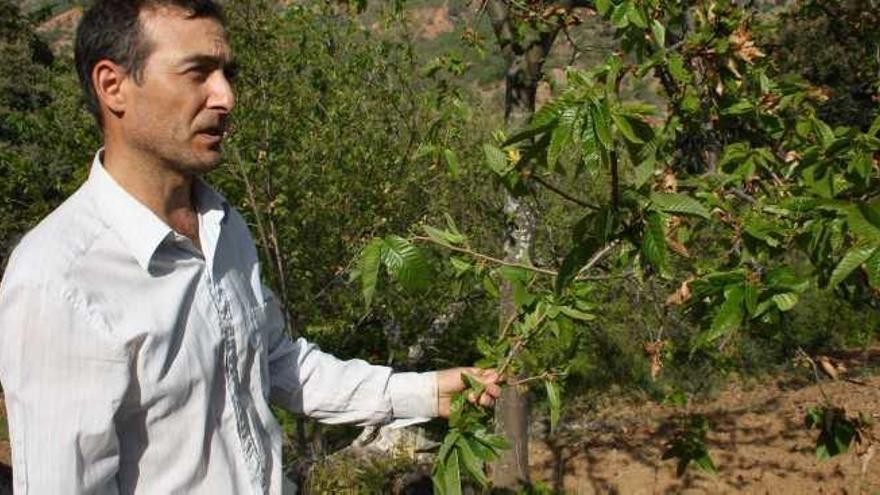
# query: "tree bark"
{"points": [[525, 57]]}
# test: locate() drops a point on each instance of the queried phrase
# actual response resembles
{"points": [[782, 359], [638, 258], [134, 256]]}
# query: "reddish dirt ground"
{"points": [[758, 443]]}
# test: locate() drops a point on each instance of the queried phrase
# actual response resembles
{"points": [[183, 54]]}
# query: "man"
{"points": [[138, 348]]}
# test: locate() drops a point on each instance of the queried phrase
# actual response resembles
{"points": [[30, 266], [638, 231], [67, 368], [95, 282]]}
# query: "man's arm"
{"points": [[63, 382], [312, 382], [306, 380]]}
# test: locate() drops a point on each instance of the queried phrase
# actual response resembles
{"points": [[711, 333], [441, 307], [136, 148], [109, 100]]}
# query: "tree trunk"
{"points": [[525, 59]]}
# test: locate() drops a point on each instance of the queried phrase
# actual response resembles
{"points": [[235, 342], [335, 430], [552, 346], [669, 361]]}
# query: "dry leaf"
{"points": [[743, 46], [866, 457], [682, 295], [669, 183], [654, 351], [679, 248], [830, 368]]}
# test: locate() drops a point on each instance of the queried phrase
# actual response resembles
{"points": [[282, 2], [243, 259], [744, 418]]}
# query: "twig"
{"points": [[597, 256], [800, 352], [485, 257], [542, 376], [564, 194], [518, 345]]}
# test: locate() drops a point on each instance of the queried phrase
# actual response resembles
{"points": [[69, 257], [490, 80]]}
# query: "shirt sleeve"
{"points": [[63, 381], [306, 380]]}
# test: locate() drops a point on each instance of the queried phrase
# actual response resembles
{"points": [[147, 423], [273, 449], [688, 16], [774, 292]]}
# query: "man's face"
{"points": [[177, 114]]}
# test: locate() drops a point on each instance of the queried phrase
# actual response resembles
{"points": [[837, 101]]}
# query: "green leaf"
{"points": [[555, 400], [822, 453], [496, 160], [750, 299], [625, 128], [451, 481], [496, 442], [406, 263], [576, 314], [850, 261], [680, 204], [676, 67], [875, 127], [369, 269], [824, 131], [636, 16], [489, 285], [785, 301], [602, 6], [620, 18], [659, 33], [763, 229], [738, 108], [460, 266], [704, 462], [863, 220], [729, 315], [599, 113], [443, 237], [574, 260], [452, 161], [654, 242], [561, 135], [448, 443], [471, 463], [872, 266]]}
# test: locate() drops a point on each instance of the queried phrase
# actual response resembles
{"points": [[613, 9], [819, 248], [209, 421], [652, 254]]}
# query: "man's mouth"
{"points": [[213, 135]]}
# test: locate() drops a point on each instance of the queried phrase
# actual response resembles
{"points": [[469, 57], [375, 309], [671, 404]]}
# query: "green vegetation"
{"points": [[707, 199]]}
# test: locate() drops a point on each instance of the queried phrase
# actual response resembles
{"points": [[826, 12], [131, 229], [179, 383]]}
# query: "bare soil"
{"points": [[758, 442]]}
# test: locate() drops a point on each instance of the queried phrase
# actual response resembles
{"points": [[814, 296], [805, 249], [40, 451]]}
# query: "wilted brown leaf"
{"points": [[669, 183], [682, 295], [743, 47], [654, 351], [833, 369], [820, 93], [679, 248]]}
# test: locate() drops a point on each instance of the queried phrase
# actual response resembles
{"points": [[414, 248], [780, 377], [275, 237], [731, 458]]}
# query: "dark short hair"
{"points": [[111, 30]]}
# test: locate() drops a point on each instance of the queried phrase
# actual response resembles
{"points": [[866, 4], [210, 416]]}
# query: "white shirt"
{"points": [[133, 363]]}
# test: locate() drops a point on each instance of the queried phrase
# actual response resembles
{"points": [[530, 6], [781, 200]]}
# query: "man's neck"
{"points": [[166, 192]]}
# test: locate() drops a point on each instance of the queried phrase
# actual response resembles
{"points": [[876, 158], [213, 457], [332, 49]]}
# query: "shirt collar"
{"points": [[140, 230]]}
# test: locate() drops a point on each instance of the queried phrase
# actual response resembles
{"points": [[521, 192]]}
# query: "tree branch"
{"points": [[560, 192], [485, 257]]}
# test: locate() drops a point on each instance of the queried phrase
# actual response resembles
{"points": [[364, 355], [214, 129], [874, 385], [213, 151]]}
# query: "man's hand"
{"points": [[449, 382]]}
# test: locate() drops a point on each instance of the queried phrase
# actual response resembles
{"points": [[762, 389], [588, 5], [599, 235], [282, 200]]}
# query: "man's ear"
{"points": [[109, 80]]}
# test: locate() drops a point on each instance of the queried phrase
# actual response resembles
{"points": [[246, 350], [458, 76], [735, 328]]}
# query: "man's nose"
{"points": [[222, 96]]}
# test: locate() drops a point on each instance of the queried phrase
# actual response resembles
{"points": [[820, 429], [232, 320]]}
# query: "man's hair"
{"points": [[111, 30]]}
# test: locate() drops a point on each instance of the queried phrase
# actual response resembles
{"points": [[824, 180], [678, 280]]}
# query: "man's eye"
{"points": [[231, 73], [199, 73]]}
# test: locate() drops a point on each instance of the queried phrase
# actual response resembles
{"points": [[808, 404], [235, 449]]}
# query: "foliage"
{"points": [[335, 140], [837, 430], [349, 474], [689, 445], [833, 45], [46, 137], [721, 191], [468, 446]]}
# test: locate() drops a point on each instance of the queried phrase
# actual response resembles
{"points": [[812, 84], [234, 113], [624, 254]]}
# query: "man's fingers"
{"points": [[486, 400], [494, 391]]}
